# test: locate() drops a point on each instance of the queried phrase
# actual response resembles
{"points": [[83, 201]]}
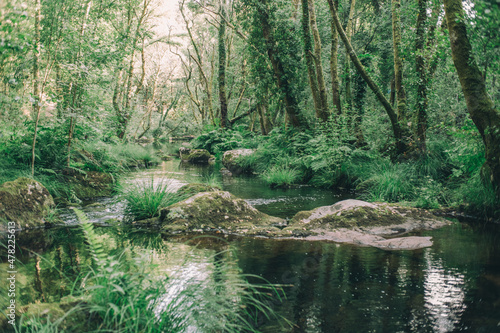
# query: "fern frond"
{"points": [[99, 257]]}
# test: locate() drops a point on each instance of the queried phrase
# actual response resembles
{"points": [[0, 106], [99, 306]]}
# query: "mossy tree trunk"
{"points": [[347, 68], [480, 106], [308, 54], [36, 79], [334, 61], [293, 116], [222, 69], [422, 102], [398, 62], [323, 111]]}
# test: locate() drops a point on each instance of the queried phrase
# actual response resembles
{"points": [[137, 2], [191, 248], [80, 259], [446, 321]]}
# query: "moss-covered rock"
{"points": [[25, 202], [89, 184], [363, 223], [189, 190], [196, 156], [217, 211], [230, 160]]}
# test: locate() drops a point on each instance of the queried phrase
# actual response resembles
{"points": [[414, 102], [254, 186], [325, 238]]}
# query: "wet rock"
{"points": [[25, 202], [217, 211], [195, 156], [230, 160], [363, 223], [89, 184]]}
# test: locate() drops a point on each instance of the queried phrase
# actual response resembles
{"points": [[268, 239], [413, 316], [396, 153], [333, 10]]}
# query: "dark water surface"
{"points": [[453, 286]]}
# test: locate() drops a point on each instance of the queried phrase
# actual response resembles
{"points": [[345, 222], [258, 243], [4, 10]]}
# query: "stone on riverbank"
{"points": [[230, 160], [25, 202], [216, 211]]}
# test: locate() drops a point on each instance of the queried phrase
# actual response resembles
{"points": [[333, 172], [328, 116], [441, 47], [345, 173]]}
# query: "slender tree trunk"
{"points": [[347, 69], [421, 109], [323, 111], [334, 61], [401, 144], [308, 53], [36, 80], [398, 63], [222, 70], [479, 104], [76, 86]]}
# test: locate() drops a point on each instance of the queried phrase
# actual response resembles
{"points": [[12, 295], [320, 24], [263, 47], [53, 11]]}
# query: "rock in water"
{"points": [[196, 156], [25, 202], [230, 160], [363, 223], [217, 210]]}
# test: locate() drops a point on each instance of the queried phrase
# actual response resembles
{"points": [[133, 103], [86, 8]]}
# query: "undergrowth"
{"points": [[127, 290]]}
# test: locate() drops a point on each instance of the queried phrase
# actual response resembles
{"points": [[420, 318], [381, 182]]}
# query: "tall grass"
{"points": [[389, 182], [145, 198]]}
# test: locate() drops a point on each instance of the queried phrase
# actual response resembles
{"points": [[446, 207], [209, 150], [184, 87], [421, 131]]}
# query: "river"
{"points": [[453, 286]]}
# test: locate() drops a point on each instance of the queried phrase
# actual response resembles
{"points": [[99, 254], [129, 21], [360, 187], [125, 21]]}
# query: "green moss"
{"points": [[215, 210], [194, 188], [198, 156], [24, 201]]}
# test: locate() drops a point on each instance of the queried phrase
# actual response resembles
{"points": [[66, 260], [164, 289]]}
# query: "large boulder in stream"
{"points": [[363, 223], [231, 157], [25, 202], [217, 211]]}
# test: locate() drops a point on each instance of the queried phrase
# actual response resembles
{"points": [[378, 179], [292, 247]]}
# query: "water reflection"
{"points": [[444, 295]]}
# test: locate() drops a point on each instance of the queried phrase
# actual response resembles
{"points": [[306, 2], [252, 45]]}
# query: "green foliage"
{"points": [[144, 199], [219, 141], [280, 176], [389, 182]]}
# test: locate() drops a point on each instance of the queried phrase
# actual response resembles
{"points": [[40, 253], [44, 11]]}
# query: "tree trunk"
{"points": [[398, 63], [293, 114], [222, 70], [401, 144], [334, 61], [323, 111], [479, 104], [308, 53], [421, 109], [36, 80], [347, 69]]}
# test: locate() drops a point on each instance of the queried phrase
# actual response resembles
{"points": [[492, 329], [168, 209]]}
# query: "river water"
{"points": [[453, 286]]}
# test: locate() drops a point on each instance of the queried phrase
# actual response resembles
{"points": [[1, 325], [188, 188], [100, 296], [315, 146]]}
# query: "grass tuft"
{"points": [[144, 199], [280, 176]]}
